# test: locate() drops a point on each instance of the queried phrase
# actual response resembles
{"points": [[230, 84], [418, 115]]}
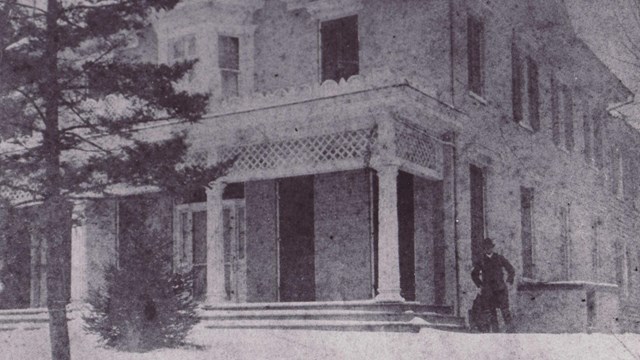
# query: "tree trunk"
{"points": [[57, 227], [57, 212]]}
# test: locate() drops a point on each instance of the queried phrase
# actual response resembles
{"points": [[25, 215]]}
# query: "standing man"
{"points": [[487, 274]]}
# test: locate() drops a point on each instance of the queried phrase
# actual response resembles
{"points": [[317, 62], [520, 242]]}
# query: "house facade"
{"points": [[376, 143]]}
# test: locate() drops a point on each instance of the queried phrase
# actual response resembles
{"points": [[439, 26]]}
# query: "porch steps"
{"points": [[370, 316], [26, 319]]}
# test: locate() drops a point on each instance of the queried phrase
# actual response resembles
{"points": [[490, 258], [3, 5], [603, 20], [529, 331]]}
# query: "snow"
{"points": [[308, 344]]}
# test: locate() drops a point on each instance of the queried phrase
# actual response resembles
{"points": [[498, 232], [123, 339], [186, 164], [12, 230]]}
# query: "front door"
{"points": [[296, 239], [235, 262]]}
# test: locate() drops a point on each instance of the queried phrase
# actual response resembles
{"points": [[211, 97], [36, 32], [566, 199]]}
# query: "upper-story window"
{"points": [[587, 133], [562, 115], [229, 64], [340, 49], [525, 89], [183, 49], [598, 140], [617, 172], [475, 51]]}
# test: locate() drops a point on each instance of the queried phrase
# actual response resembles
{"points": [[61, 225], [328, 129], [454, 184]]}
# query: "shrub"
{"points": [[143, 305]]}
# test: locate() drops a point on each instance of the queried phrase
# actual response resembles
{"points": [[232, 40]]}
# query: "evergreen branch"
{"points": [[29, 7], [85, 140], [86, 123], [33, 103]]}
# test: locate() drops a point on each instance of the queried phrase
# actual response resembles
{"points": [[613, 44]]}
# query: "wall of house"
{"points": [[343, 236], [261, 247], [412, 37], [287, 43], [514, 156]]}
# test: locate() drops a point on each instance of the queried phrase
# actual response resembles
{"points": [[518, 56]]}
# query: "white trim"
{"points": [[323, 10]]}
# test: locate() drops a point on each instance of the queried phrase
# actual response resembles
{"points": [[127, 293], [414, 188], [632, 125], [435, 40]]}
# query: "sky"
{"points": [[611, 28]]}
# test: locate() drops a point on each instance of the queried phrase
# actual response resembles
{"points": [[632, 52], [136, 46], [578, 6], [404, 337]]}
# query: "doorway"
{"points": [[406, 241], [296, 239]]}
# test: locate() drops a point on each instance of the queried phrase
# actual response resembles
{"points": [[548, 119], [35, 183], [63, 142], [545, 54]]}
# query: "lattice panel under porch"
{"points": [[417, 146], [305, 151]]}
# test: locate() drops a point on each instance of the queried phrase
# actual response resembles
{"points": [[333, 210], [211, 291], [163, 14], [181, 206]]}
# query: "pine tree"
{"points": [[69, 86]]}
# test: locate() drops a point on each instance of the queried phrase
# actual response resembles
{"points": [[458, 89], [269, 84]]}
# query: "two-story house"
{"points": [[376, 144]]}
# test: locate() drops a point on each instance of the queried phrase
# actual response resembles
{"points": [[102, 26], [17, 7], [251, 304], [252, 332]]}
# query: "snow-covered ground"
{"points": [[300, 344]]}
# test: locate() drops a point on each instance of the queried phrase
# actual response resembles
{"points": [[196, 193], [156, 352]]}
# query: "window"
{"points": [[526, 211], [229, 64], [190, 244], [562, 115], [556, 130], [565, 241], [595, 252], [567, 101], [475, 51], [598, 141], [622, 266], [477, 184], [340, 49], [525, 90], [587, 132], [183, 49], [617, 178]]}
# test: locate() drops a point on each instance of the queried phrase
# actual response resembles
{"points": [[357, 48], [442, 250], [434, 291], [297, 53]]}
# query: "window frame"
{"points": [[185, 41], [228, 70], [528, 250], [342, 17], [183, 247], [477, 24]]}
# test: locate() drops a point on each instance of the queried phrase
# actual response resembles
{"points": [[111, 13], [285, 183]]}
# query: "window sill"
{"points": [[478, 98]]}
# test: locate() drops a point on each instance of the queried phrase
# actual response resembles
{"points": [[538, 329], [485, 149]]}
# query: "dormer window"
{"points": [[340, 50], [229, 64]]}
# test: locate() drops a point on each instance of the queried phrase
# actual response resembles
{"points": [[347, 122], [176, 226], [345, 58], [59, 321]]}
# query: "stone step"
{"points": [[325, 325], [26, 316], [329, 314], [367, 305]]}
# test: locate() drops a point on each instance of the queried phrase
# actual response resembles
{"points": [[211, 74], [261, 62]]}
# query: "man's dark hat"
{"points": [[487, 243]]}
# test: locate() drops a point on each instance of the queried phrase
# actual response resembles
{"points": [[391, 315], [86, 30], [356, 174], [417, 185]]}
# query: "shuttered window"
{"points": [[567, 98], [340, 49], [526, 209], [477, 204], [516, 83], [475, 51], [533, 94], [525, 90]]}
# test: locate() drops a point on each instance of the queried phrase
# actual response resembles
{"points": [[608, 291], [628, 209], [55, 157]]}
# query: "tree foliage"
{"points": [[78, 115]]}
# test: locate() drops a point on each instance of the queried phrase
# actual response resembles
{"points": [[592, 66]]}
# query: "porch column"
{"points": [[388, 243], [215, 245], [79, 285]]}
